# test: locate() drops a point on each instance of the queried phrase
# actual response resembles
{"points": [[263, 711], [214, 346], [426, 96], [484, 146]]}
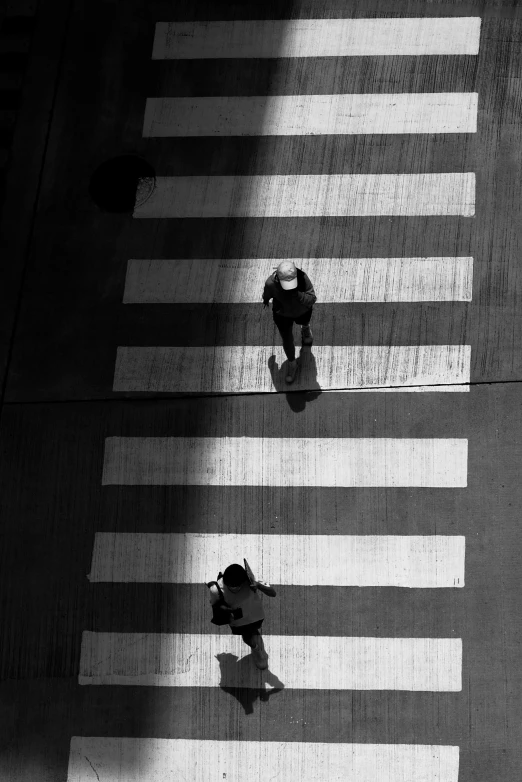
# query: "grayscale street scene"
{"points": [[261, 414]]}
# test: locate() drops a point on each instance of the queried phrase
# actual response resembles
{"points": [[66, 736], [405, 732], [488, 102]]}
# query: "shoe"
{"points": [[307, 337], [260, 658], [291, 371]]}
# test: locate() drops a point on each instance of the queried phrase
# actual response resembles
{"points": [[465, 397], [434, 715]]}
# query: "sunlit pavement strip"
{"points": [[171, 760], [310, 195], [300, 662], [336, 280], [415, 561], [302, 115], [316, 38], [285, 461], [236, 369]]}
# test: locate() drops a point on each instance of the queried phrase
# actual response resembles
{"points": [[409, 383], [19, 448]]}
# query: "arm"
{"points": [[214, 595], [265, 588], [267, 293], [307, 297]]}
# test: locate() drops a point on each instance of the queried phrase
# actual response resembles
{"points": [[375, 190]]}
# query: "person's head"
{"points": [[234, 577], [287, 275]]}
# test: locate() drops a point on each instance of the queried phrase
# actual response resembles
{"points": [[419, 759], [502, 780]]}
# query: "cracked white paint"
{"points": [[335, 280], [285, 461], [414, 561], [299, 662], [310, 195], [304, 115], [316, 38], [239, 369]]}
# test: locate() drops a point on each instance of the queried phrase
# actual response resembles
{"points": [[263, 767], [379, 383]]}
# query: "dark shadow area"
{"points": [[121, 183], [15, 45], [305, 387], [241, 678]]}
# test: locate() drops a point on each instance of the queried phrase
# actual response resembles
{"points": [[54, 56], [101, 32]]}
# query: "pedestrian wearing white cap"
{"points": [[293, 300]]}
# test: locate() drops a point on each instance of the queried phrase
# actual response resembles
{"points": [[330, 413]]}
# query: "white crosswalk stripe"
{"points": [[280, 461], [168, 760], [302, 115], [336, 280], [310, 195], [182, 660], [317, 38], [414, 561], [243, 369]]}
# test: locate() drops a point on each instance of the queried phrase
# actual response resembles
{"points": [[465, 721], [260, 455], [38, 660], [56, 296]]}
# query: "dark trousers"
{"points": [[285, 327], [250, 633]]}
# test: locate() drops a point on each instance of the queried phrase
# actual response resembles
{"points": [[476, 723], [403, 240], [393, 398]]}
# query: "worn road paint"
{"points": [[304, 662], [170, 760], [285, 461], [311, 195], [413, 561], [335, 280], [316, 38], [239, 369], [304, 115]]}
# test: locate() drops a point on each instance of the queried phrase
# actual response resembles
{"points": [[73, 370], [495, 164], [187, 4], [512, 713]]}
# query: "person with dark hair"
{"points": [[294, 298], [238, 595]]}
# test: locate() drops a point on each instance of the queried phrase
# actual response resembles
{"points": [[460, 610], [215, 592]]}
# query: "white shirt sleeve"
{"points": [[214, 594]]}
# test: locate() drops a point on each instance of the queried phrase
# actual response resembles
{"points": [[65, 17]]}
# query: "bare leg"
{"points": [[255, 641], [251, 639]]}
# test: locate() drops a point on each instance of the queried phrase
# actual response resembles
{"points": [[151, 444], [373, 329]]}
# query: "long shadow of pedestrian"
{"points": [[244, 681], [305, 387]]}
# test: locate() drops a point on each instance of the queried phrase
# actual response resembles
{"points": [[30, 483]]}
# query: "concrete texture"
{"points": [[63, 273]]}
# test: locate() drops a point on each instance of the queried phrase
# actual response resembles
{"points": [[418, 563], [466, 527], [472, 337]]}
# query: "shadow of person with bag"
{"points": [[241, 679]]}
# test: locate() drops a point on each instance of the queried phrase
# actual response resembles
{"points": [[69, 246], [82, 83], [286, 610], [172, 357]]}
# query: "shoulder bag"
{"points": [[219, 617]]}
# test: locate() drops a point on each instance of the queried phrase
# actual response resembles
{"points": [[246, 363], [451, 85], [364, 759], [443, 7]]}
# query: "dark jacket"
{"points": [[290, 304]]}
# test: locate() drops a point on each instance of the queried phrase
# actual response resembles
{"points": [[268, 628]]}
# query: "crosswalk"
{"points": [[278, 38], [206, 761], [285, 461], [175, 660], [239, 369], [322, 662], [306, 115], [309, 195], [412, 561], [340, 280]]}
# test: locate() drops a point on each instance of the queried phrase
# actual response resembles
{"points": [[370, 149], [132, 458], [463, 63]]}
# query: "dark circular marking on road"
{"points": [[121, 183]]}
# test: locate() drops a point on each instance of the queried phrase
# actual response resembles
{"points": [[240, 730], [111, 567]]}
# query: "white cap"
{"points": [[287, 274]]}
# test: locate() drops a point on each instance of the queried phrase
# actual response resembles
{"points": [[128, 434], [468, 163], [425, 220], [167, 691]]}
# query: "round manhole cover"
{"points": [[120, 184]]}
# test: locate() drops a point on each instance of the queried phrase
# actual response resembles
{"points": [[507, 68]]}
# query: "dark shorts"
{"points": [[247, 629], [285, 321]]}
